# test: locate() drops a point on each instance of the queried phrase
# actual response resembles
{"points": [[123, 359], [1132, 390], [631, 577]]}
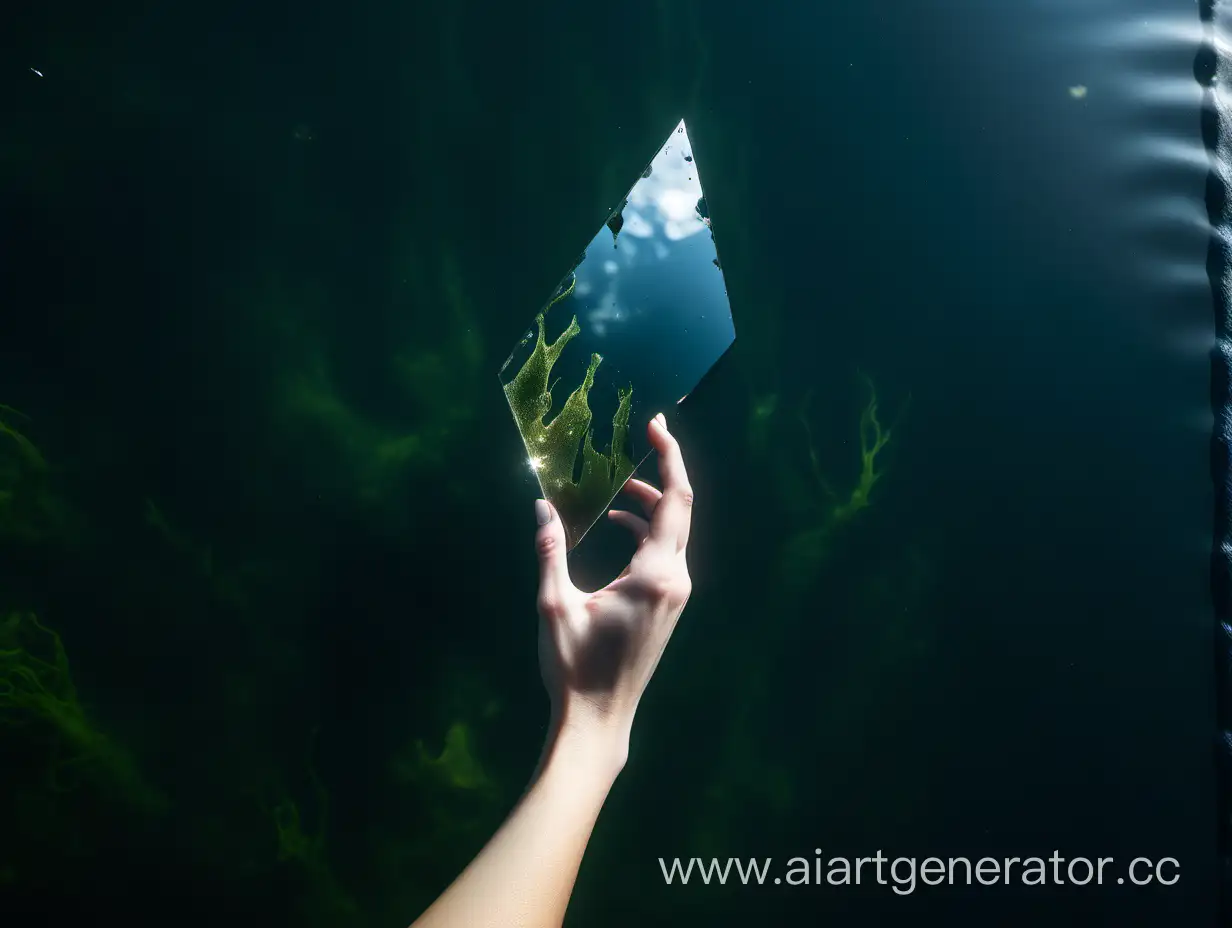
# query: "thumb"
{"points": [[553, 566]]}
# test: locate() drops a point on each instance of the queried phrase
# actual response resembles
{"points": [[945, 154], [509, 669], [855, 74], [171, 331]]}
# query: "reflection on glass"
{"points": [[628, 333]]}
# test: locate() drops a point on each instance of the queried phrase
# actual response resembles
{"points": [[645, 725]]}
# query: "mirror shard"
{"points": [[628, 333]]}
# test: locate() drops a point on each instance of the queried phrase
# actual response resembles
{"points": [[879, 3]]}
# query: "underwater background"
{"points": [[267, 585]]}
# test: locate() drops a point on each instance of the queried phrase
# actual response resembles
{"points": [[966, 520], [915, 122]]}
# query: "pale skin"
{"points": [[597, 652]]}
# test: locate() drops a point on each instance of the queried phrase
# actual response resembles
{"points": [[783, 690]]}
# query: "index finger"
{"points": [[672, 516]]}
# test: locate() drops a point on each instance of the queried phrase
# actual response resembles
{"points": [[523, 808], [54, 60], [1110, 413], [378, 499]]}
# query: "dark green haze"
{"points": [[267, 574]]}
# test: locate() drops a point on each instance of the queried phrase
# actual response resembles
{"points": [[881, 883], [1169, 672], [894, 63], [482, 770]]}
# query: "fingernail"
{"points": [[662, 420], [543, 512]]}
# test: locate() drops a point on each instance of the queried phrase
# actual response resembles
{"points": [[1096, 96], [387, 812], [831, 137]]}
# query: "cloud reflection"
{"points": [[662, 209]]}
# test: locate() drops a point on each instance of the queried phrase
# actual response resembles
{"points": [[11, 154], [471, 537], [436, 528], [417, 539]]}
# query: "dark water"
{"points": [[263, 264]]}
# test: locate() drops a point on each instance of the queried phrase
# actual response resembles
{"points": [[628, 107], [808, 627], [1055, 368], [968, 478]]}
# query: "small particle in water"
{"points": [[303, 133], [716, 263], [688, 158], [1078, 91], [37, 71]]}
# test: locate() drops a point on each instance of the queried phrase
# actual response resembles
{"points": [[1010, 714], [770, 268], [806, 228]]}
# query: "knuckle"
{"points": [[683, 588], [683, 494], [659, 586], [550, 605], [672, 587], [546, 544]]}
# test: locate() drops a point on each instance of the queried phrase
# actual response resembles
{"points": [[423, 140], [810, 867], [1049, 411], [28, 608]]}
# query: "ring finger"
{"points": [[645, 494]]}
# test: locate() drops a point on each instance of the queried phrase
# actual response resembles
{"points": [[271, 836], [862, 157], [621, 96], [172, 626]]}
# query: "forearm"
{"points": [[524, 875]]}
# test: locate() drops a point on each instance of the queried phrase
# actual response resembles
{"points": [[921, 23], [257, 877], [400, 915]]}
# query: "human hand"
{"points": [[597, 651]]}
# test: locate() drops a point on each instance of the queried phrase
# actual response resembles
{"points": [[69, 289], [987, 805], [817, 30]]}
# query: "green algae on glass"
{"points": [[554, 446]]}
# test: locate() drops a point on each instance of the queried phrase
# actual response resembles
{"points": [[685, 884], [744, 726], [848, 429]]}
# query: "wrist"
{"points": [[583, 736]]}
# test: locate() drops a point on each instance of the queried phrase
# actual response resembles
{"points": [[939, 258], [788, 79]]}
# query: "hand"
{"points": [[598, 650]]}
